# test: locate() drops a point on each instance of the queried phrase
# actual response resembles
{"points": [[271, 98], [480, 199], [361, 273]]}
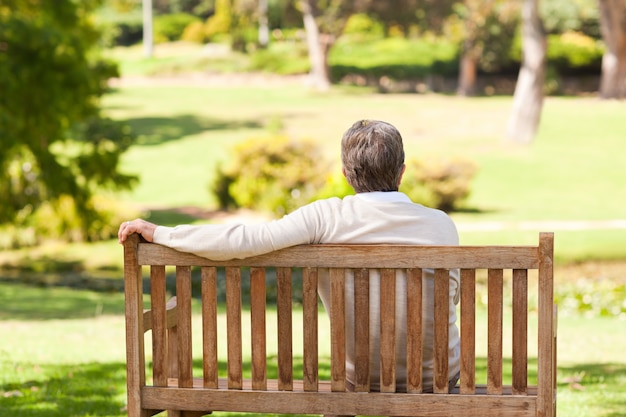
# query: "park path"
{"points": [[203, 79]]}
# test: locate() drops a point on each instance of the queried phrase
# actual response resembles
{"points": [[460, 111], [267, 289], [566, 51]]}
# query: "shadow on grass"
{"points": [[599, 386], [27, 302], [157, 130], [93, 389], [173, 216]]}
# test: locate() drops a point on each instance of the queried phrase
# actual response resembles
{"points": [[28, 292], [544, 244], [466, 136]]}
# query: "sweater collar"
{"points": [[384, 197]]}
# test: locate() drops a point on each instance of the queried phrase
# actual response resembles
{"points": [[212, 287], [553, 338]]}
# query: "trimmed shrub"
{"points": [[170, 27], [574, 52], [396, 58], [194, 32], [272, 174], [569, 53], [439, 183], [363, 27], [220, 23], [283, 58], [277, 175]]}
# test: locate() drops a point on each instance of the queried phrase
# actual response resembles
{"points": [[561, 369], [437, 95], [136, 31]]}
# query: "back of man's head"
{"points": [[372, 155]]}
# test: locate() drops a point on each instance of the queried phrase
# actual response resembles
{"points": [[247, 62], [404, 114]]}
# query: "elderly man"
{"points": [[372, 156]]}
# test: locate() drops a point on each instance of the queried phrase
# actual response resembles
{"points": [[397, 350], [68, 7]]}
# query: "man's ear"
{"points": [[401, 174], [343, 171]]}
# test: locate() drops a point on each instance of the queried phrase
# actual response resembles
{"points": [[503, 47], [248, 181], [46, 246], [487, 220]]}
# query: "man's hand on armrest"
{"points": [[144, 228]]}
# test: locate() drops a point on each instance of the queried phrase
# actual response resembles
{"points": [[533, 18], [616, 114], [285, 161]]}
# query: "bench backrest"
{"points": [[172, 364]]}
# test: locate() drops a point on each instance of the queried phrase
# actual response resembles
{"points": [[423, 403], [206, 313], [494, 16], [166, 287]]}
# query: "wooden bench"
{"points": [[193, 385]]}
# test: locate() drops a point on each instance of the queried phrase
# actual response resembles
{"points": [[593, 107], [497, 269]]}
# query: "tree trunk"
{"points": [[264, 30], [613, 26], [467, 75], [147, 28], [318, 47], [528, 97]]}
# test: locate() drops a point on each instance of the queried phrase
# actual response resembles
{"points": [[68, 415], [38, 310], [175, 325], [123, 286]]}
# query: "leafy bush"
{"points": [[170, 27], [568, 53], [60, 220], [574, 52], [592, 298], [363, 27], [221, 22], [397, 58], [272, 174], [336, 185], [194, 32], [281, 58], [120, 27], [438, 183]]}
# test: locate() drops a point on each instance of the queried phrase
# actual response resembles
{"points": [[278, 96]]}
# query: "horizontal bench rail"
{"points": [[359, 256], [341, 403]]}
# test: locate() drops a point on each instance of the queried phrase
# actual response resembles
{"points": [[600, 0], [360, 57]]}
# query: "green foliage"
{"points": [[194, 32], [220, 23], [572, 51], [485, 31], [170, 27], [571, 15], [396, 58], [281, 58], [335, 186], [272, 174], [361, 26], [277, 175], [121, 24], [438, 182], [569, 53], [592, 298], [54, 142]]}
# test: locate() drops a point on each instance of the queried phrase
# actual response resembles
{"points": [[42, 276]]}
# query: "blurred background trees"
{"points": [[613, 25], [59, 152], [486, 37]]}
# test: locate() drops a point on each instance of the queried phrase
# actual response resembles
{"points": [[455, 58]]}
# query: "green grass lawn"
{"points": [[62, 353]]}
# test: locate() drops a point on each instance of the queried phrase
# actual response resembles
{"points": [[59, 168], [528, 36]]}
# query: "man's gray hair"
{"points": [[372, 155]]}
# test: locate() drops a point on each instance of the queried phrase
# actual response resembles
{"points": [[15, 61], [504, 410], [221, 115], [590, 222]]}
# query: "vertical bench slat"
{"points": [[284, 311], [546, 327], [172, 342], [361, 330], [554, 356], [310, 307], [387, 330], [442, 309], [337, 329], [258, 328], [209, 327], [233, 322], [183, 297], [135, 352], [468, 331], [414, 330], [159, 326], [494, 336], [520, 331]]}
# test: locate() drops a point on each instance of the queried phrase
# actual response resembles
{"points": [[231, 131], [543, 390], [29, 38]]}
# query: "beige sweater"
{"points": [[379, 217]]}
